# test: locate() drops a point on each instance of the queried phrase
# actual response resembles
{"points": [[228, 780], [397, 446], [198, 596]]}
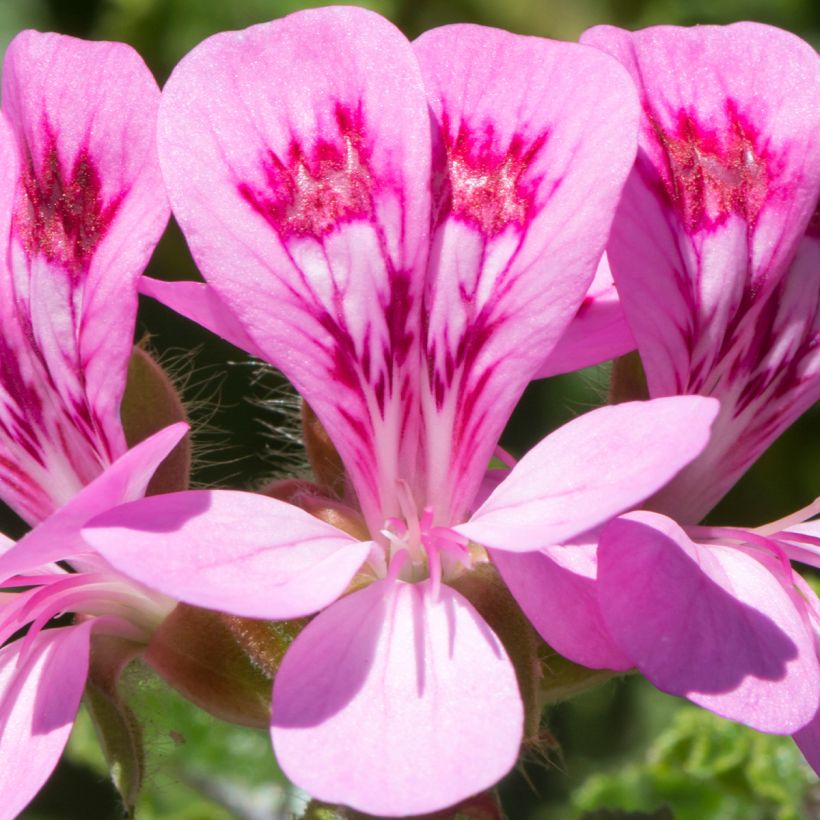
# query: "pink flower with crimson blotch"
{"points": [[714, 253], [405, 231], [81, 208]]}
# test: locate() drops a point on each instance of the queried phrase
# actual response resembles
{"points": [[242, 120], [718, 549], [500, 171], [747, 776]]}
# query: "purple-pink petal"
{"points": [[708, 622], [556, 588], [200, 303], [396, 701], [598, 332]]}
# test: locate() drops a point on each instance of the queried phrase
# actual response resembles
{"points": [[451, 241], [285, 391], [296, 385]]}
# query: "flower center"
{"points": [[417, 549]]}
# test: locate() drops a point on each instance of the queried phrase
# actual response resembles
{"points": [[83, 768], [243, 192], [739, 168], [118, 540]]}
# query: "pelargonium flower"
{"points": [[405, 231], [715, 258], [81, 208]]}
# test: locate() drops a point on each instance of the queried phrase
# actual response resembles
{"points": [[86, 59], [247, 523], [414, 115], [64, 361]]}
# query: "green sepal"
{"points": [[223, 664], [118, 730], [150, 403], [628, 379], [561, 679]]}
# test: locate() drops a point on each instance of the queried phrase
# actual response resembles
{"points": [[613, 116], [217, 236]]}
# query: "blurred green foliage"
{"points": [[623, 746]]}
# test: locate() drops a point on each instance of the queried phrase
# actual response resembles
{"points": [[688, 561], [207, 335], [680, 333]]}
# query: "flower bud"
{"points": [[628, 380], [325, 461], [223, 664], [151, 402], [118, 730]]}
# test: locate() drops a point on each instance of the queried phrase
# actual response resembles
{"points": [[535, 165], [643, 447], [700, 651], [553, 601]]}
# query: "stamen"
{"points": [[397, 564], [503, 456]]}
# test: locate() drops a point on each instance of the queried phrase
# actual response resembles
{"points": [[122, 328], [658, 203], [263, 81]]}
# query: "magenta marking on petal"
{"points": [[59, 216], [813, 229], [483, 185], [311, 191], [712, 174]]}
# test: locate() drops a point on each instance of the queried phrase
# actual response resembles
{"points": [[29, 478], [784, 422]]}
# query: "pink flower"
{"points": [[405, 231], [715, 259], [82, 206]]}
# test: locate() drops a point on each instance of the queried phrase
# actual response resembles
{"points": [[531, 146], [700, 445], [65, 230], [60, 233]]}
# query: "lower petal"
{"points": [[712, 624], [236, 552], [39, 698], [556, 588], [808, 741], [396, 702]]}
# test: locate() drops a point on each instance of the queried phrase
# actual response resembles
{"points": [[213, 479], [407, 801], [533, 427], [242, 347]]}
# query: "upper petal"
{"points": [[533, 141], [598, 331], [89, 208], [200, 303], [396, 702], [39, 698], [297, 158], [592, 468], [236, 552], [726, 181], [710, 623]]}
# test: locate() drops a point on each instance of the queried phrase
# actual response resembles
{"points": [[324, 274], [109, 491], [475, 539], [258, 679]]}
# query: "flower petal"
{"points": [[599, 332], [534, 140], [236, 552], [383, 702], [556, 589], [710, 623], [58, 537], [201, 304], [769, 379], [39, 698], [297, 158], [90, 206], [808, 741], [726, 181], [597, 466]]}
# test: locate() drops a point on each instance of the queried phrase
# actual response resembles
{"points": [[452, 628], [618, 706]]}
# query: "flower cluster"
{"points": [[411, 233]]}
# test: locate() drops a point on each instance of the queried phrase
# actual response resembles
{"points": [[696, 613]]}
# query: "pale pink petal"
{"points": [[808, 741], [297, 156], [556, 588], [396, 702], [90, 206], [710, 623], [597, 466], [200, 303], [726, 181], [39, 698], [534, 140], [237, 552], [599, 332], [58, 537]]}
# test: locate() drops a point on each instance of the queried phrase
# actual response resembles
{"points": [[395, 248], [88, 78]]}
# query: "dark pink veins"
{"points": [[711, 174], [484, 185], [309, 192], [60, 214]]}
